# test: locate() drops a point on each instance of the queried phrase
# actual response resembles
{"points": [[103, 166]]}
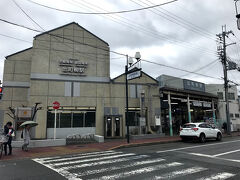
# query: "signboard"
{"points": [[142, 121], [193, 85], [56, 105], [134, 75], [24, 112], [197, 103], [73, 67], [207, 104], [158, 120]]}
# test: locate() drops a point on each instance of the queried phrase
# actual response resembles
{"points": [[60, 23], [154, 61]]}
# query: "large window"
{"points": [[69, 119], [72, 89]]}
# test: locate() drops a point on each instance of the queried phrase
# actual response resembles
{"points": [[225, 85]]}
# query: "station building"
{"points": [[71, 65]]}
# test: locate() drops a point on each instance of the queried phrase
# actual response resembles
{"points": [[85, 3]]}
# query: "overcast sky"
{"points": [[181, 34]]}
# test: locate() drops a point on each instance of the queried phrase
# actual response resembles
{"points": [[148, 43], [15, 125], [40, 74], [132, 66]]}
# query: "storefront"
{"points": [[184, 101]]}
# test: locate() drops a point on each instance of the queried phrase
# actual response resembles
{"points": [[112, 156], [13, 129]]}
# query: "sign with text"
{"points": [[133, 75], [73, 67]]}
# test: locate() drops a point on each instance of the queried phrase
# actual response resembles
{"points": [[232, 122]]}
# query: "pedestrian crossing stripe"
{"points": [[219, 176], [79, 157], [139, 171], [93, 159], [112, 168], [138, 164], [182, 172]]}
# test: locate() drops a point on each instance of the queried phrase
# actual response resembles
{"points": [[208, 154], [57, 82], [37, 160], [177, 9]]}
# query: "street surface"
{"points": [[211, 160]]}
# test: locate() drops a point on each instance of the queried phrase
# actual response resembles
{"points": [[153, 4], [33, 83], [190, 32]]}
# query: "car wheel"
{"points": [[202, 138], [219, 137]]}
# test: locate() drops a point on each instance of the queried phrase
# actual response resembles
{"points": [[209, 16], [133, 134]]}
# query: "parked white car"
{"points": [[201, 131]]}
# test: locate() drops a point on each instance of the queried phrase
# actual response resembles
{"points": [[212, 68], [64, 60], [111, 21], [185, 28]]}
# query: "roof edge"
{"points": [[46, 32], [17, 52]]}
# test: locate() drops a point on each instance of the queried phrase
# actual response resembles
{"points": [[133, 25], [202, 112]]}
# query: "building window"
{"points": [[72, 89], [231, 115], [72, 119], [135, 91], [220, 95], [236, 115], [231, 96]]}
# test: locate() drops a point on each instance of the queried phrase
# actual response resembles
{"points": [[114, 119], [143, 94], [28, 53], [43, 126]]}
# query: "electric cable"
{"points": [[93, 13], [138, 27]]}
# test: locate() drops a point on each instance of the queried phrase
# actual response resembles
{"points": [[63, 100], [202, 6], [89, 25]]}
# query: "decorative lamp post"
{"points": [[128, 65]]}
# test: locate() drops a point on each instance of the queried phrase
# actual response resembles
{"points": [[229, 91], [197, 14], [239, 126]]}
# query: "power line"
{"points": [[107, 50], [176, 20], [138, 27], [179, 69], [4, 35], [27, 14], [92, 13]]}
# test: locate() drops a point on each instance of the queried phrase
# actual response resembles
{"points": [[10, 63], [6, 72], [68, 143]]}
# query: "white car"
{"points": [[201, 131]]}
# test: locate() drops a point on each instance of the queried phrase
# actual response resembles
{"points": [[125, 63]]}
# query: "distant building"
{"points": [[218, 89]]}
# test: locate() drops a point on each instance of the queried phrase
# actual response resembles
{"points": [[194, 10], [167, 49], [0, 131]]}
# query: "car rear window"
{"points": [[189, 125]]}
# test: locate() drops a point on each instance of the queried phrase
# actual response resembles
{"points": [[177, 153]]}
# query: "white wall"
{"points": [[64, 132]]}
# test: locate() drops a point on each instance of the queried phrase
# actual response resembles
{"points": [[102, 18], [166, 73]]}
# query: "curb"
{"points": [[142, 144]]}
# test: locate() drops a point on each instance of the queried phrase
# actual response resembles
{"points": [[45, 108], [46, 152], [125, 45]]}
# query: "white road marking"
{"points": [[180, 173], [93, 159], [192, 147], [112, 168], [64, 173], [80, 157], [94, 163], [229, 152], [219, 176], [139, 171], [75, 155], [210, 156]]}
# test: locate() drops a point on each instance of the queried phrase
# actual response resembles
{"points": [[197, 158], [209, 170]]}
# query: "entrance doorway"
{"points": [[113, 126]]}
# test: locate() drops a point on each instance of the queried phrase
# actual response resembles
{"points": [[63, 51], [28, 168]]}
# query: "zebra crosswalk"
{"points": [[108, 165]]}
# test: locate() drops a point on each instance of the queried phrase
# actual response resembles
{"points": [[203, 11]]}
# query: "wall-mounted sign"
{"points": [[73, 67], [197, 103], [207, 104]]}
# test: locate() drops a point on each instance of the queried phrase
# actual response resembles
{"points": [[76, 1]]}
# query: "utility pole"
{"points": [[223, 56]]}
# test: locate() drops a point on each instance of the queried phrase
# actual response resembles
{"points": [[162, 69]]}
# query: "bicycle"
{"points": [[3, 139]]}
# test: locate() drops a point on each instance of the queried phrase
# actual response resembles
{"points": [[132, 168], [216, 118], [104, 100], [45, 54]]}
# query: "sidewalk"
{"points": [[82, 148], [110, 144]]}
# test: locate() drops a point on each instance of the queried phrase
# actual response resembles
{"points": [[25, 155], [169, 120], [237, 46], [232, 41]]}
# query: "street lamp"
{"points": [[237, 15], [128, 65]]}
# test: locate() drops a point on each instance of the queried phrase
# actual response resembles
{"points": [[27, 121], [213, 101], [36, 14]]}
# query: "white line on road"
{"points": [[192, 147], [139, 171], [93, 159], [180, 173], [64, 173], [229, 152], [103, 162], [80, 157], [219, 176], [112, 168], [75, 155], [210, 156]]}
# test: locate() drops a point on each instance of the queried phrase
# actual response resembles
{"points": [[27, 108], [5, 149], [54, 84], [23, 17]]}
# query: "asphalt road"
{"points": [[190, 160]]}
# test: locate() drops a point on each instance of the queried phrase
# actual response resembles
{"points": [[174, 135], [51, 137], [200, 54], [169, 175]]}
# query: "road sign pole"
{"points": [[55, 124]]}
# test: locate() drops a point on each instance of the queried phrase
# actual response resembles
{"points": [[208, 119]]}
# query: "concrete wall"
{"points": [[233, 104], [64, 132]]}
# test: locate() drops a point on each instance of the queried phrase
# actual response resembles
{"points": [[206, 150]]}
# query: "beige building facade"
{"points": [[72, 66]]}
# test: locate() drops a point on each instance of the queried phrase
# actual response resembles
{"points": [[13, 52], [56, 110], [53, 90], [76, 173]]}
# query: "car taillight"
{"points": [[181, 129], [195, 129]]}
